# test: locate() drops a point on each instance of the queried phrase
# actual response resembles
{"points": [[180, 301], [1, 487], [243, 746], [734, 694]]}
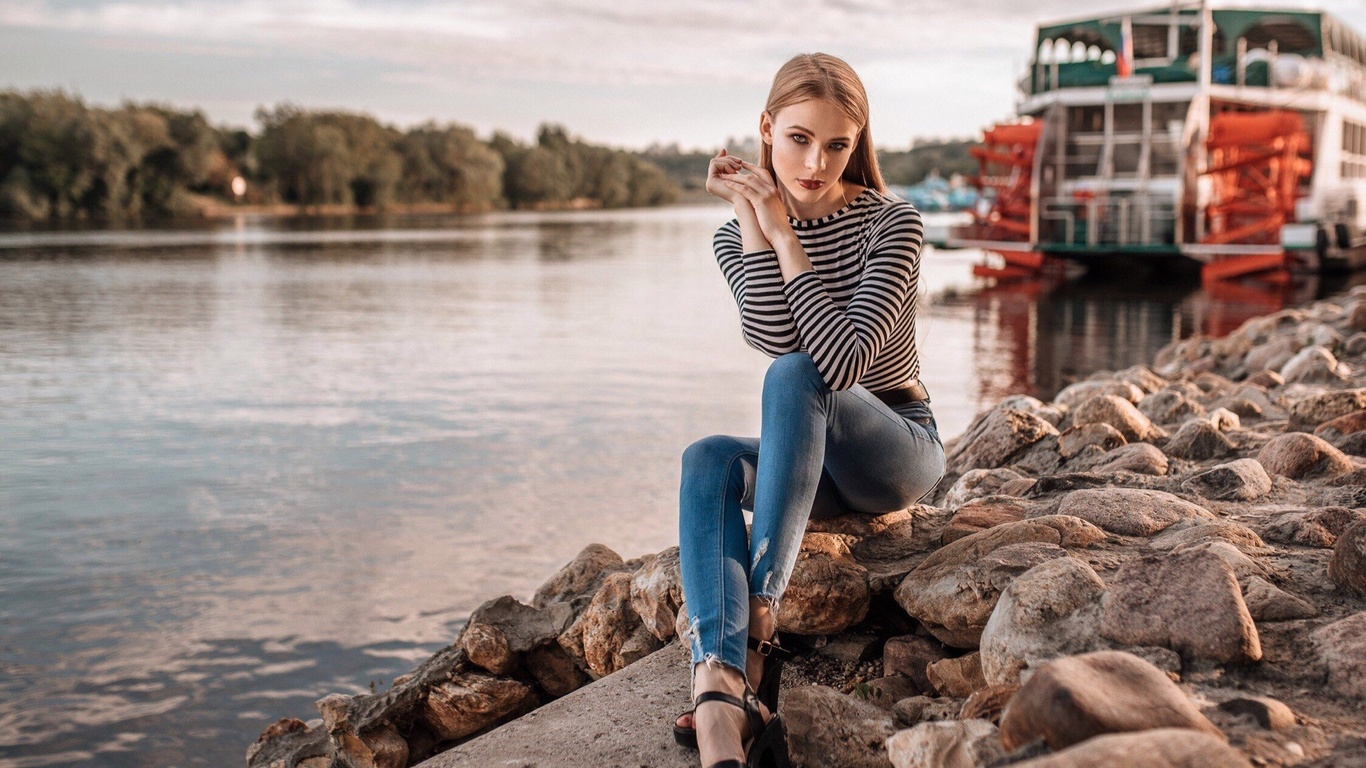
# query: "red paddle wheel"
{"points": [[1006, 160], [1256, 164]]}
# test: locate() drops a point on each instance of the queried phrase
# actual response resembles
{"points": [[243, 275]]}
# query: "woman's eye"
{"points": [[838, 146], [800, 139]]}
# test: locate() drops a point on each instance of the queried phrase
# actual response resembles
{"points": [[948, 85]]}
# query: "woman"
{"points": [[824, 267]]}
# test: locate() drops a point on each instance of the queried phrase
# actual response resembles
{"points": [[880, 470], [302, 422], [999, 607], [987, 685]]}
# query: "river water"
{"points": [[247, 464]]}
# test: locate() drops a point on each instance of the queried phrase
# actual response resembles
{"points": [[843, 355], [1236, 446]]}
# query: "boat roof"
{"points": [[1304, 32]]}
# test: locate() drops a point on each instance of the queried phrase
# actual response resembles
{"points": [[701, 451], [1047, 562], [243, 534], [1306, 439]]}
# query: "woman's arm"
{"points": [[750, 267], [844, 343]]}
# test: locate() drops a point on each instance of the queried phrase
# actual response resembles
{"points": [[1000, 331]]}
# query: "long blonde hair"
{"points": [[822, 76]]}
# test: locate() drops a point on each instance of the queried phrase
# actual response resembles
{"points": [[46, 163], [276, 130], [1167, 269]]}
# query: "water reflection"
{"points": [[252, 463]]}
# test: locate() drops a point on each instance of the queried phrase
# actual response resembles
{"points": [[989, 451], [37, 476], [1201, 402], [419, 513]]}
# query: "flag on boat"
{"points": [[1124, 63]]}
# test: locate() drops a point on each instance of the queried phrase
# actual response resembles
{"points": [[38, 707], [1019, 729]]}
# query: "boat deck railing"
{"points": [[1137, 220]]}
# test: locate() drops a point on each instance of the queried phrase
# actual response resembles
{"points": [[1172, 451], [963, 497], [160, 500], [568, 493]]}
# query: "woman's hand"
{"points": [[720, 165], [761, 191]]}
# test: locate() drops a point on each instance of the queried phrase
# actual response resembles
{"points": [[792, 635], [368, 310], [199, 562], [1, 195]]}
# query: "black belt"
{"points": [[911, 393]]}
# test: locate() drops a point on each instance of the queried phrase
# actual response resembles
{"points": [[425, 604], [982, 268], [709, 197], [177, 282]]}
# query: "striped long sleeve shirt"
{"points": [[855, 313]]}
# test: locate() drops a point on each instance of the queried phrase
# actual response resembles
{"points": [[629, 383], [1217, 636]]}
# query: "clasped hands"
{"points": [[726, 178]]}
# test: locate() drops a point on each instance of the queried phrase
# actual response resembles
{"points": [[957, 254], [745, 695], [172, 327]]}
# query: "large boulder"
{"points": [[501, 630], [1240, 480], [976, 483], [1120, 414], [827, 592], [1074, 395], [947, 744], [983, 513], [1051, 610], [1130, 511], [1199, 440], [1157, 748], [609, 634], [470, 702], [1100, 435], [994, 437], [910, 656], [1317, 528], [1188, 601], [580, 579], [1139, 458], [1342, 646], [1267, 602], [955, 589], [657, 592], [1301, 456], [1342, 426], [1308, 413], [1171, 406], [1075, 698], [1196, 530], [1313, 364], [827, 729], [1347, 569]]}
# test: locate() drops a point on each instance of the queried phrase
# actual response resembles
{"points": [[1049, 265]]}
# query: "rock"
{"points": [[1266, 602], [1243, 566], [886, 691], [1356, 345], [1342, 646], [1139, 458], [1051, 610], [1309, 412], [1129, 511], [1300, 456], [1120, 414], [1312, 364], [578, 581], [1072, 699], [977, 483], [1100, 435], [1342, 425], [1199, 440], [1319, 528], [860, 525], [1273, 355], [851, 648], [1225, 420], [1049, 413], [953, 744], [983, 513], [1319, 334], [1347, 569], [501, 630], [609, 634], [957, 677], [1242, 407], [657, 592], [1157, 748], [1142, 378], [1211, 384], [554, 670], [827, 592], [1354, 444], [1188, 601], [1196, 530], [994, 437], [1266, 378], [1170, 407], [909, 656], [1241, 480], [1269, 713], [470, 702], [826, 729], [954, 590], [1040, 458], [890, 555], [988, 703], [1076, 394], [1356, 321], [923, 709]]}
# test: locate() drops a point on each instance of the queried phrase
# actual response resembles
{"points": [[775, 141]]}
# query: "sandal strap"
{"points": [[769, 647], [728, 764], [706, 696]]}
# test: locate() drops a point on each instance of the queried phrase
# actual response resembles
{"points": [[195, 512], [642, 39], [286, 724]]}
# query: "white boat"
{"points": [[1234, 139]]}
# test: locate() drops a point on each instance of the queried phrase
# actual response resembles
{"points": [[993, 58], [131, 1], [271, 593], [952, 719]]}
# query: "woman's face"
{"points": [[812, 142]]}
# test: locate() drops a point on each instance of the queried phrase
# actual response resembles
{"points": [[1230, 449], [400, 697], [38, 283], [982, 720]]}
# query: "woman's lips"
{"points": [[810, 183]]}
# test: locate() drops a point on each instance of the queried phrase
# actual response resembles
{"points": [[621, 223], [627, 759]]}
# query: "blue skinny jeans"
{"points": [[820, 453]]}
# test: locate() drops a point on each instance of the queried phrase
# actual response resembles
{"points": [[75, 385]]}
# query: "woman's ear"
{"points": [[765, 127]]}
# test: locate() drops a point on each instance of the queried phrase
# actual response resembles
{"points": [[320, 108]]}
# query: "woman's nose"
{"points": [[816, 161]]}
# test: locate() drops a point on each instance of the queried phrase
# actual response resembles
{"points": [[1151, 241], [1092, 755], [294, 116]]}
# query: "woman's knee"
{"points": [[793, 368]]}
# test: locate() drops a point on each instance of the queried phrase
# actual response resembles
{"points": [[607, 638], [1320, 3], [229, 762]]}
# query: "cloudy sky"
{"points": [[622, 72]]}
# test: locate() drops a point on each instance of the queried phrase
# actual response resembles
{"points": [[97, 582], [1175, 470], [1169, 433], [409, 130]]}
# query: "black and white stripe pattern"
{"points": [[855, 313]]}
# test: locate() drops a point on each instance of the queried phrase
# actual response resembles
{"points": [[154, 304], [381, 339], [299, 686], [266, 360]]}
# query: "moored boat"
{"points": [[1232, 139]]}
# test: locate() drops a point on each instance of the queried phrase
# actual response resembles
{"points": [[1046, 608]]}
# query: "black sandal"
{"points": [[768, 739], [774, 655]]}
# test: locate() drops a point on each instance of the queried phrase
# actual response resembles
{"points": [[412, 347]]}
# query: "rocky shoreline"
{"points": [[1165, 566]]}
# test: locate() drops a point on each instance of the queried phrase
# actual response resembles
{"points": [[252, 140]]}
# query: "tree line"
{"points": [[61, 158]]}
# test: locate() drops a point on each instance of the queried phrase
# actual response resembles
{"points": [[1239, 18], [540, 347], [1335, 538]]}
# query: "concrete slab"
{"points": [[621, 721]]}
